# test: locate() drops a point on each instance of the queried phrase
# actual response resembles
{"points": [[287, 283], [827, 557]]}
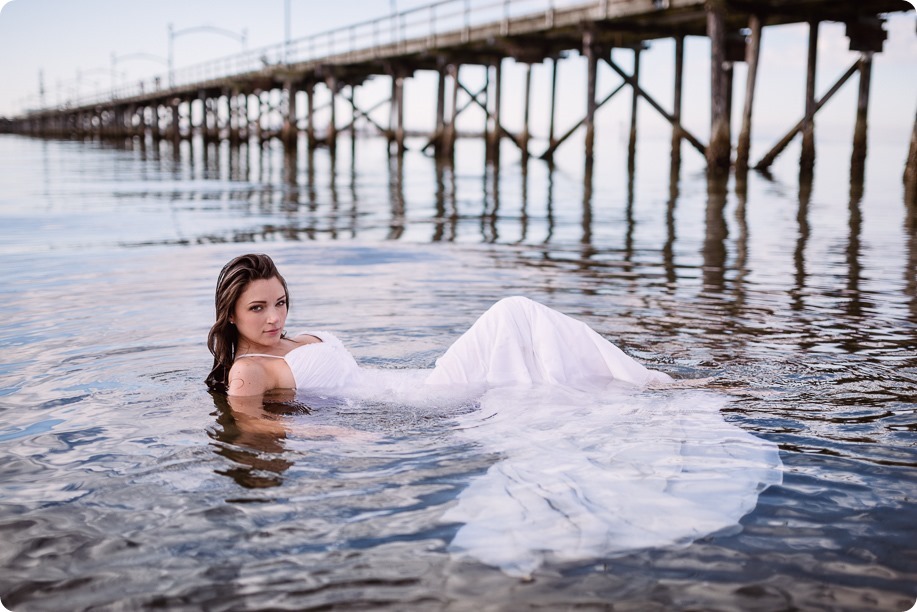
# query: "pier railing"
{"points": [[385, 36]]}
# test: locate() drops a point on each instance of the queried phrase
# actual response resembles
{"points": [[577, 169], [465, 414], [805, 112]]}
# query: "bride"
{"points": [[599, 455], [517, 341]]}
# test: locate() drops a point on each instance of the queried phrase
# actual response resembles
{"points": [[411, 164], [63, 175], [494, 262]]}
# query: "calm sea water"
{"points": [[124, 484]]}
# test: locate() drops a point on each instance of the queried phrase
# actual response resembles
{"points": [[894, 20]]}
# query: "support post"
{"points": [[486, 109], [310, 114], [176, 120], [438, 146], [752, 51], [453, 133], [210, 118], [807, 157], [354, 114], [525, 113], [332, 84], [858, 157], [632, 144], [289, 130], [676, 103], [592, 60], [154, 121], [719, 150], [399, 130], [551, 140], [243, 116], [494, 134], [393, 109], [235, 121], [910, 170]]}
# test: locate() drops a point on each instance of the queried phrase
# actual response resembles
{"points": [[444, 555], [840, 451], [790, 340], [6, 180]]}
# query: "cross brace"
{"points": [[768, 159]]}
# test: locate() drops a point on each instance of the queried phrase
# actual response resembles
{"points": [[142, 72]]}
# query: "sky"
{"points": [[67, 46]]}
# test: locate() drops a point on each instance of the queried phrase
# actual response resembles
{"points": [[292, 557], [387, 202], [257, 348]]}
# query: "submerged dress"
{"points": [[592, 464]]}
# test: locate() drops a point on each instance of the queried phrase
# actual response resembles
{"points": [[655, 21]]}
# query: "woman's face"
{"points": [[261, 313]]}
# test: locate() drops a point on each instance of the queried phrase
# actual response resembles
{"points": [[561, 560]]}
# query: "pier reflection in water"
{"points": [[798, 295]]}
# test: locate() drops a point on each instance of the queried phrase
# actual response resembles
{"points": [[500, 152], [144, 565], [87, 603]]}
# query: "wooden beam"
{"points": [[525, 111], [488, 115], [679, 78], [494, 142], [858, 156], [910, 170], [592, 72], [778, 148], [332, 84], [719, 151], [437, 138], [551, 141], [752, 53], [450, 149], [310, 114], [807, 156], [632, 144], [549, 153], [289, 132], [685, 133]]}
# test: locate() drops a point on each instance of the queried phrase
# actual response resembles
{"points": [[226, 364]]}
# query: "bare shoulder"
{"points": [[248, 377], [305, 338]]}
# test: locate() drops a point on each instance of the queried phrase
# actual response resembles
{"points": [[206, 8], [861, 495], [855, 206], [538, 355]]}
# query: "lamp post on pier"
{"points": [[286, 31], [287, 27], [173, 34], [394, 7]]}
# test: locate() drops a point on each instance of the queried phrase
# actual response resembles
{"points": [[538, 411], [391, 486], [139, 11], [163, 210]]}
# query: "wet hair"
{"points": [[223, 338]]}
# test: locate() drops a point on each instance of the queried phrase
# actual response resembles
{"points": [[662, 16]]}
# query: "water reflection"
{"points": [[396, 197], [910, 267], [255, 448], [254, 191], [714, 247], [799, 254], [668, 250]]}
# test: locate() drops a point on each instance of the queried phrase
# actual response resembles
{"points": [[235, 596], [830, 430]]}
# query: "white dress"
{"points": [[592, 464], [515, 342]]}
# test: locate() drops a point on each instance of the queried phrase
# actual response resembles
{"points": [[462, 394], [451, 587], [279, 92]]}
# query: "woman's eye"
{"points": [[255, 308], [282, 303]]}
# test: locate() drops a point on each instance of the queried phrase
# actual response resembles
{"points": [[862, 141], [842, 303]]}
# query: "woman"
{"points": [[630, 470], [517, 341]]}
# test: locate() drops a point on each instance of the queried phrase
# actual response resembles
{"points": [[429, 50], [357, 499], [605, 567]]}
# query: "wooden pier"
{"points": [[258, 94]]}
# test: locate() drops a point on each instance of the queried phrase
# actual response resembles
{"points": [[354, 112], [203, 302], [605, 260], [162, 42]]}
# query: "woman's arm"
{"points": [[247, 378]]}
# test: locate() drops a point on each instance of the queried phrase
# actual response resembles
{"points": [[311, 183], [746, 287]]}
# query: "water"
{"points": [[125, 485]]}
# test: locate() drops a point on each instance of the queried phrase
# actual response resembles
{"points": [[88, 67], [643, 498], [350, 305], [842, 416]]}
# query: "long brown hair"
{"points": [[223, 338]]}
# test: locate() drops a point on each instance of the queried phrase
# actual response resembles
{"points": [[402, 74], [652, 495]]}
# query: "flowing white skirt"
{"points": [[519, 342], [592, 464]]}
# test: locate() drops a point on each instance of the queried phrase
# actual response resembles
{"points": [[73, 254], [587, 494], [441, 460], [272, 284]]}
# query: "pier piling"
{"points": [[719, 151], [910, 170], [676, 102], [858, 156], [592, 61], [635, 96], [807, 156], [752, 53]]}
